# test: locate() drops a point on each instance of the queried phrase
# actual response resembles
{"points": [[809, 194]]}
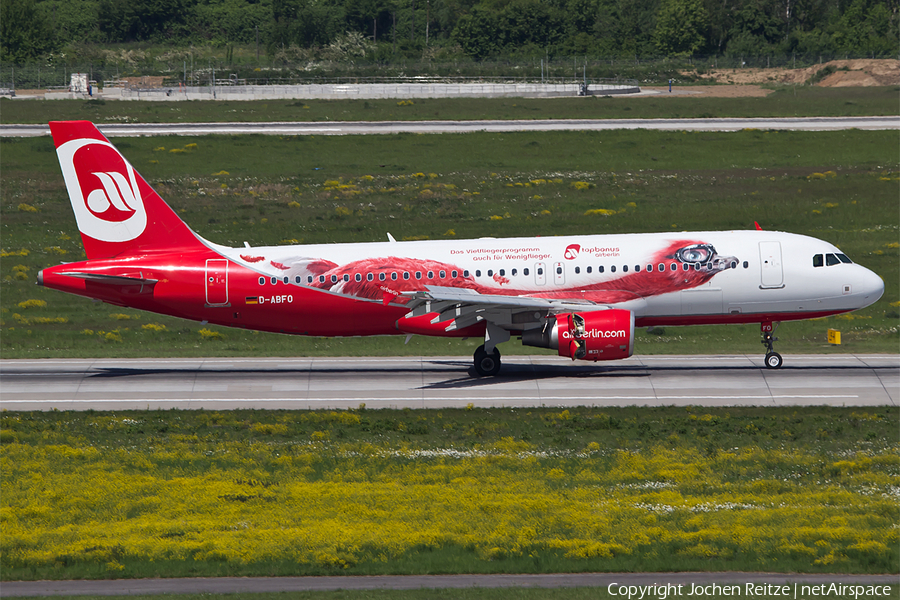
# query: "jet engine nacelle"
{"points": [[595, 335]]}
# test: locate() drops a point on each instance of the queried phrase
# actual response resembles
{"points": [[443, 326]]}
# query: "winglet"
{"points": [[758, 228], [391, 238]]}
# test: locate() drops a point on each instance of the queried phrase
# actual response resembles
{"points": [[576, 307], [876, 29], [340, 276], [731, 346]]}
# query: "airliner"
{"points": [[582, 295]]}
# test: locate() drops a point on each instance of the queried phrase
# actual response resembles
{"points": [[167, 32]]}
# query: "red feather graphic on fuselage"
{"points": [[685, 264]]}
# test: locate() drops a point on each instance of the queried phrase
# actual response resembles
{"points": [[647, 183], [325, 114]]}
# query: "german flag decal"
{"points": [[251, 300]]}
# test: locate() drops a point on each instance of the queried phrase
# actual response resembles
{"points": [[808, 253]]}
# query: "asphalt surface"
{"points": [[771, 584], [445, 382], [383, 127]]}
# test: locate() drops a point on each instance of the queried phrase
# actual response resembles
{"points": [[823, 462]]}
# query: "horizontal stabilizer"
{"points": [[110, 279]]}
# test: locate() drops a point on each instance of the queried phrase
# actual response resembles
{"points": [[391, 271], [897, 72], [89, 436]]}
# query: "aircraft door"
{"points": [[217, 282], [771, 272], [540, 273], [559, 273]]}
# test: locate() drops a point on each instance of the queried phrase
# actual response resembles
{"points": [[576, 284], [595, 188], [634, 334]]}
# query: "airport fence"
{"points": [[646, 70]]}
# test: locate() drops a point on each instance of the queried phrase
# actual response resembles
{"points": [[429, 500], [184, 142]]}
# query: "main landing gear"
{"points": [[773, 360], [487, 365], [487, 357]]}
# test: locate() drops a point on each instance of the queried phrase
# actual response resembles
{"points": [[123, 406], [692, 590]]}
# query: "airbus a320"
{"points": [[582, 296]]}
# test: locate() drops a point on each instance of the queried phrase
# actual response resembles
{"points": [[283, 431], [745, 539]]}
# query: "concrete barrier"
{"points": [[369, 91]]}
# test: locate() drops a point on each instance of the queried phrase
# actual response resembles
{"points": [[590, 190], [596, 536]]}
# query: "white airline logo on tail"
{"points": [[112, 210], [116, 192]]}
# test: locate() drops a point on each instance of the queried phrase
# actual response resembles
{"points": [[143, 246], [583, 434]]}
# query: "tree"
{"points": [[24, 31], [680, 27], [867, 26], [476, 33], [139, 20]]}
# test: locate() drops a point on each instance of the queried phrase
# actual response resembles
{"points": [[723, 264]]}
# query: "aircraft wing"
{"points": [[460, 307]]}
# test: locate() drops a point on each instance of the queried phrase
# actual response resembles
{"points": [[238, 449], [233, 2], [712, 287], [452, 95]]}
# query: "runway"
{"points": [[683, 584], [386, 127], [445, 382]]}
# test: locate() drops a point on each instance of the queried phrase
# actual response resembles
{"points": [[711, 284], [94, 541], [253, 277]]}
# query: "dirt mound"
{"points": [[145, 82], [845, 73]]}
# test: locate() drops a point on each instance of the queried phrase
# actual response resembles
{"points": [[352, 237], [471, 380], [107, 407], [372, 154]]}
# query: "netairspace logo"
{"points": [[796, 591]]}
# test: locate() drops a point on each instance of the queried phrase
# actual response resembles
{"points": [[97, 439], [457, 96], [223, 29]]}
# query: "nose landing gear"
{"points": [[773, 360]]}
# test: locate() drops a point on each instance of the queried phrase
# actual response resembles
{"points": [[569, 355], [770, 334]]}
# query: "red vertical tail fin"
{"points": [[117, 211]]}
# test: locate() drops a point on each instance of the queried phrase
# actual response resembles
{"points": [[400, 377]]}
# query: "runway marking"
{"points": [[441, 398]]}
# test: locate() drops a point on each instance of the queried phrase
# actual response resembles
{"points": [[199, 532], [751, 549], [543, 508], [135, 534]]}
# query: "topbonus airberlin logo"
{"points": [[572, 251], [103, 189]]}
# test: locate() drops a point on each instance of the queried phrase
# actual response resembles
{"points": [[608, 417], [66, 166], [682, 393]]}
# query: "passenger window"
{"points": [[321, 279], [746, 264], [661, 267], [394, 276], [589, 270], [297, 279], [818, 260], [262, 281], [502, 273], [540, 271], [625, 269], [674, 267], [490, 272], [443, 274], [559, 270], [381, 277], [370, 277], [525, 271], [274, 280], [734, 264], [358, 277], [600, 269], [844, 259], [577, 270], [309, 279], [831, 259], [455, 274], [478, 273], [513, 272], [418, 274], [405, 274], [649, 268], [287, 279], [430, 274], [637, 268], [685, 267], [334, 279], [612, 269], [466, 273]]}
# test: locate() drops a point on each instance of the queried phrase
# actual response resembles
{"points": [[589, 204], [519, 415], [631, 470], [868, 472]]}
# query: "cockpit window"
{"points": [[818, 260], [831, 259], [845, 259]]}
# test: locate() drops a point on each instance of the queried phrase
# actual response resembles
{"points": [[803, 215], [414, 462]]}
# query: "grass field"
{"points": [[789, 101], [840, 186], [197, 493]]}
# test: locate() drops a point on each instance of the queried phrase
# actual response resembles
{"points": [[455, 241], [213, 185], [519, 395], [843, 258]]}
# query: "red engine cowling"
{"points": [[596, 335]]}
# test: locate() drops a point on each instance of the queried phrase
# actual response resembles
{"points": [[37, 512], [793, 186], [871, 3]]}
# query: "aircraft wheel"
{"points": [[487, 365], [773, 360]]}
